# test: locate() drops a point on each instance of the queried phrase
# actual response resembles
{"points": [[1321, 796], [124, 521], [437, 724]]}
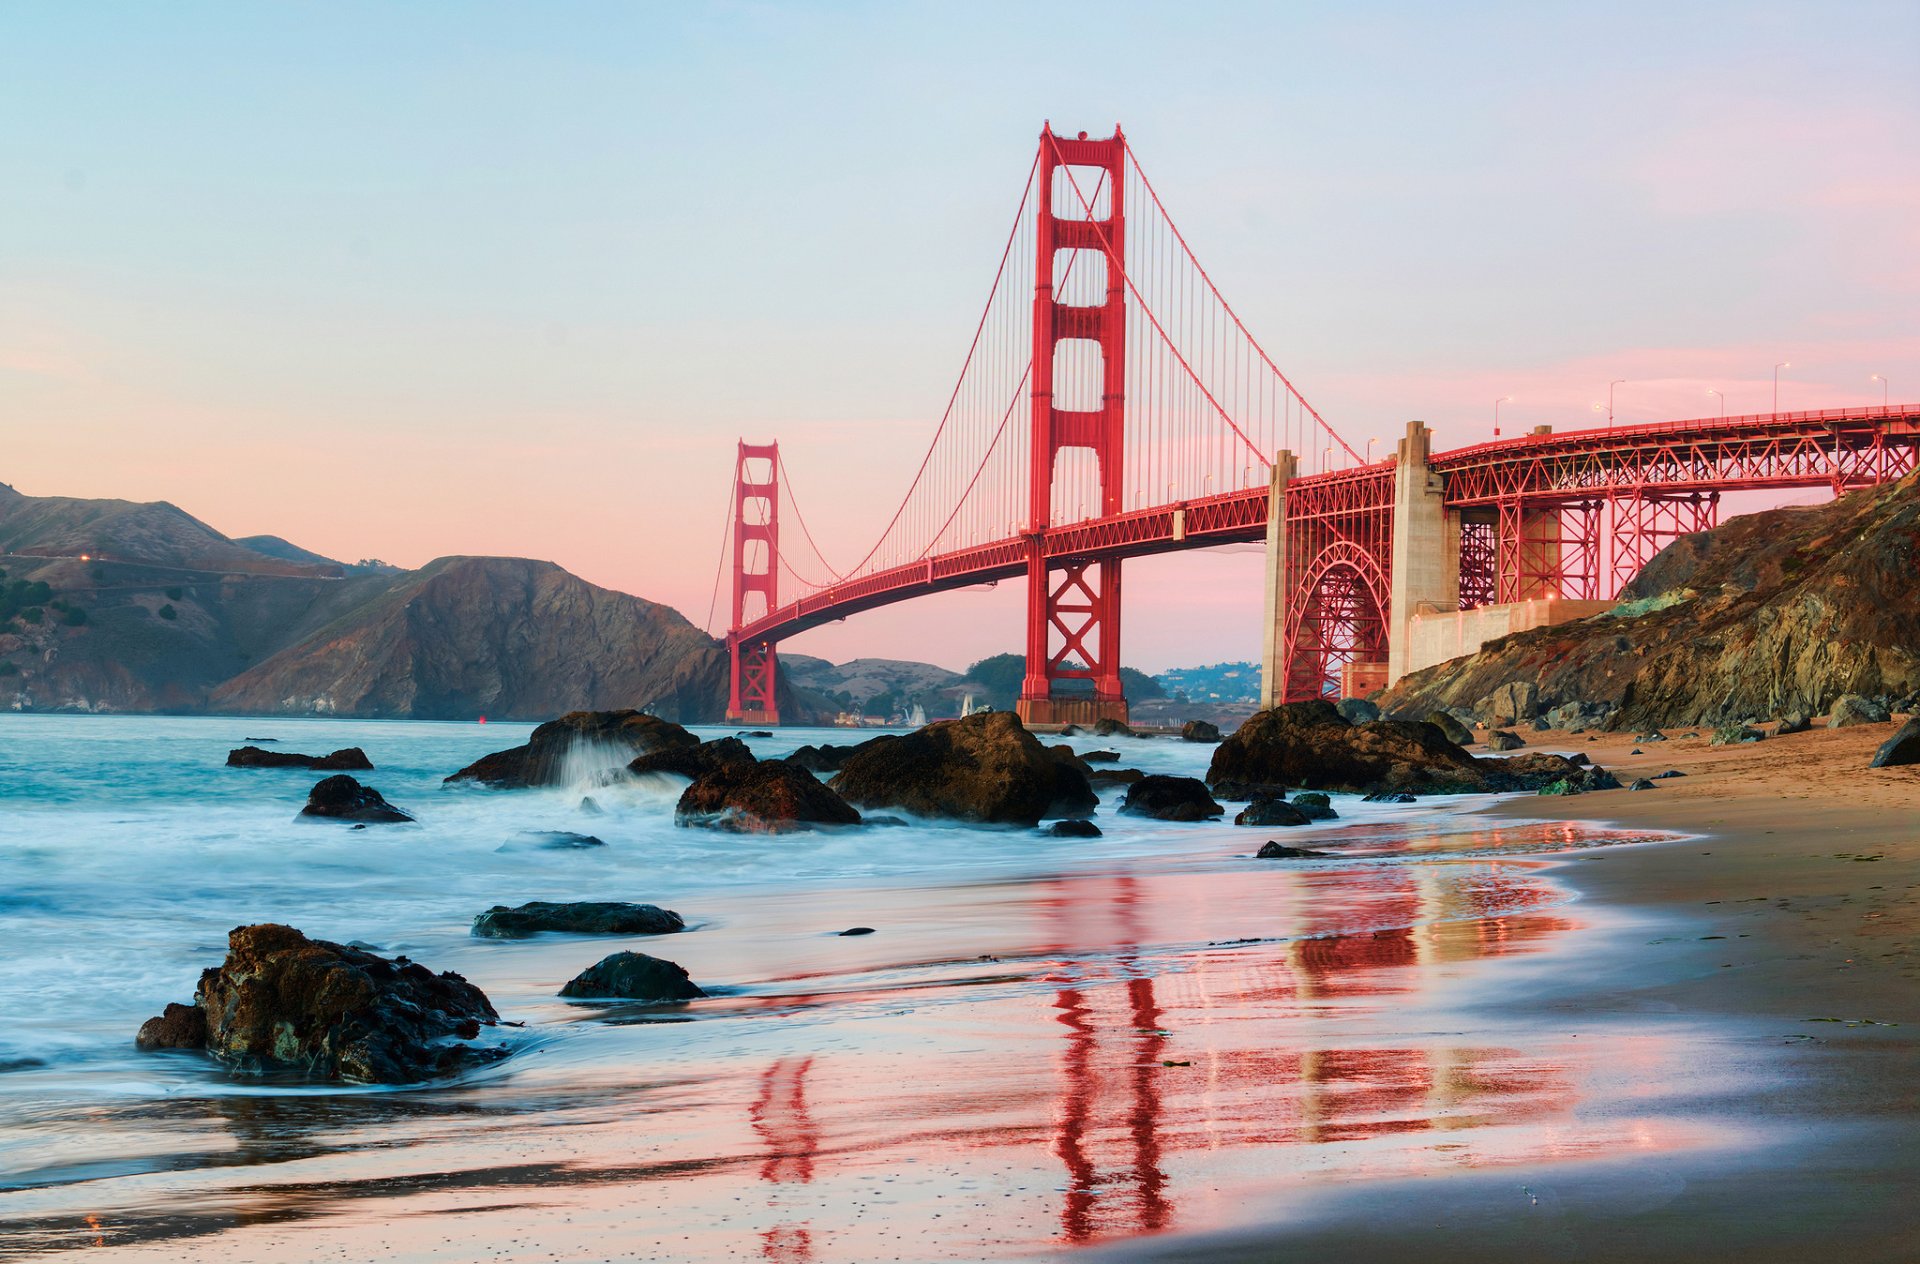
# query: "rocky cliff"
{"points": [[1767, 614], [114, 606]]}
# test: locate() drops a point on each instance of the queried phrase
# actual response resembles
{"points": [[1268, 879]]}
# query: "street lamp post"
{"points": [[1610, 385], [1882, 379], [1504, 399], [1784, 364], [1723, 399], [1370, 444]]}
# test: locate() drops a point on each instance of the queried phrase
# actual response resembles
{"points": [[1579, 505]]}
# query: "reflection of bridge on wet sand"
{"points": [[1129, 1089]]}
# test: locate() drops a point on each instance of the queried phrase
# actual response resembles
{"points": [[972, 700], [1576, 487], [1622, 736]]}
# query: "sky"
{"points": [[403, 281]]}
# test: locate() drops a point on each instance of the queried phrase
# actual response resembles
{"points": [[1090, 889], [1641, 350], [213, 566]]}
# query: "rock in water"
{"points": [[1105, 727], [552, 840], [1280, 851], [1073, 827], [341, 798], [983, 767], [1358, 711], [1100, 757], [1309, 744], [633, 976], [1314, 806], [827, 758], [286, 1005], [1114, 776], [585, 917], [694, 761], [351, 759], [1270, 811], [1853, 709], [774, 797], [1456, 732], [1199, 731], [1171, 799], [1901, 749], [543, 760], [1504, 740]]}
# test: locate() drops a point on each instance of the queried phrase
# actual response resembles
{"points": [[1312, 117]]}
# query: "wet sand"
{"points": [[1799, 901]]}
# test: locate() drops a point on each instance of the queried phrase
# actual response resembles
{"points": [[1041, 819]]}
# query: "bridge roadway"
{"points": [[1831, 448]]}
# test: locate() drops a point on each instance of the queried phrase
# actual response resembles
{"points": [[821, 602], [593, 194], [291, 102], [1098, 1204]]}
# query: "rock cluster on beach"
{"points": [[984, 768], [773, 797], [282, 1004], [1779, 613]]}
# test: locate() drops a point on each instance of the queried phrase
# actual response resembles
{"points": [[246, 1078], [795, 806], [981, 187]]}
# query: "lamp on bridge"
{"points": [[1610, 385], [1882, 379], [1723, 399], [1504, 399], [1784, 364]]}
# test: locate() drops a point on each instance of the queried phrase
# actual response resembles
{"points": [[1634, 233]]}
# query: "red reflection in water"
{"points": [[782, 1120]]}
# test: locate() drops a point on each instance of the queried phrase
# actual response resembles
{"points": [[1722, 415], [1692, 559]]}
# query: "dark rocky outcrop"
{"points": [[1793, 722], [693, 761], [1280, 851], [1900, 750], [1106, 727], [1768, 614], [1113, 776], [985, 768], [1199, 731], [1072, 827], [1270, 811], [632, 976], [586, 917], [827, 757], [341, 798], [1851, 709], [1504, 740], [543, 760], [1314, 806], [350, 759], [773, 797], [286, 1005], [1100, 757], [1308, 744], [1171, 799], [1396, 796]]}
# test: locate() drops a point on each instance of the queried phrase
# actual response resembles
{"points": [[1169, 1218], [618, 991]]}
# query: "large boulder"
{"points": [[1271, 811], [1901, 749], [1358, 711], [693, 761], [1851, 709], [1309, 744], [984, 768], [1171, 799], [1504, 740], [341, 798], [1515, 702], [633, 976], [1456, 732], [349, 759], [1108, 727], [1200, 731], [1578, 717], [773, 797], [543, 761], [284, 1005], [583, 917], [1793, 722]]}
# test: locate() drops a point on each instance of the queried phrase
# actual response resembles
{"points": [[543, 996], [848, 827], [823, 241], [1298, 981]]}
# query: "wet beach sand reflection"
{"points": [[1143, 1050]]}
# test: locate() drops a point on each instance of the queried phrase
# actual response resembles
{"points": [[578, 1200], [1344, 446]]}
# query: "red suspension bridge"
{"points": [[1111, 404]]}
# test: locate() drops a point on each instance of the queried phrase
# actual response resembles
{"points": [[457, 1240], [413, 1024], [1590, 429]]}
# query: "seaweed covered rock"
{"points": [[1309, 744], [341, 798], [286, 1005], [348, 759], [633, 976], [1171, 799], [693, 761], [543, 761], [582, 917], [985, 768], [771, 797]]}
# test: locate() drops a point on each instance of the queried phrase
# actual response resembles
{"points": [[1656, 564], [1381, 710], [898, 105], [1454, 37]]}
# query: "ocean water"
{"points": [[1014, 1024]]}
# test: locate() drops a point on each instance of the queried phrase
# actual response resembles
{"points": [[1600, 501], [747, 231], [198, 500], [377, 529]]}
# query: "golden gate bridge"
{"points": [[1112, 404]]}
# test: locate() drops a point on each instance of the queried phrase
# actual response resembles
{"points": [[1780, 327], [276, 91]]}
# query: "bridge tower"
{"points": [[1077, 605], [751, 697]]}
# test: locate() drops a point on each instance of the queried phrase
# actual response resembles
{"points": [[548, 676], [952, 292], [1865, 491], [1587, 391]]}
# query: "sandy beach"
{"points": [[1798, 898]]}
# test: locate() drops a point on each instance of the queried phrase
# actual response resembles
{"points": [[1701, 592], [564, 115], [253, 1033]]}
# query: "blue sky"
{"points": [[528, 270]]}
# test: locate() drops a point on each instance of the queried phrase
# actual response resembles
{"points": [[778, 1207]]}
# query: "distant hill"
{"points": [[117, 606]]}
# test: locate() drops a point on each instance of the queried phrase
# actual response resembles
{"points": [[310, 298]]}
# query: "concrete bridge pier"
{"points": [[1425, 576]]}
